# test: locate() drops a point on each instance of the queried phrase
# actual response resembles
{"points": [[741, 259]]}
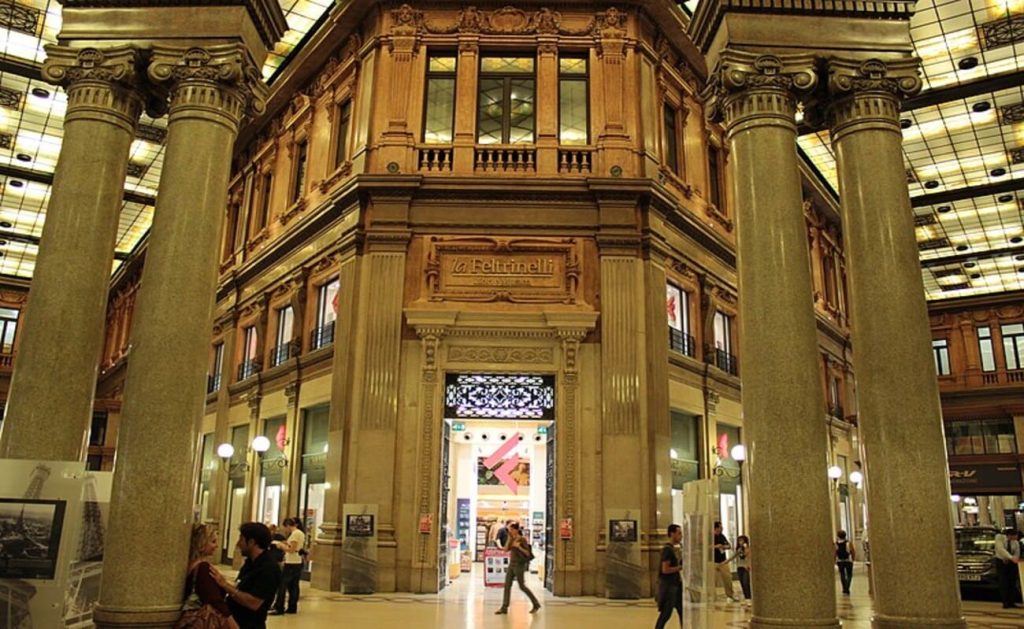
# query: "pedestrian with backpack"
{"points": [[844, 560], [520, 555]]}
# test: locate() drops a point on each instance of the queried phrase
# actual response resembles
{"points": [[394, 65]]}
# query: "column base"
{"points": [[900, 622], [757, 622], [142, 617]]}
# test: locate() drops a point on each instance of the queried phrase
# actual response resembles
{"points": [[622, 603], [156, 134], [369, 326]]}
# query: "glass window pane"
{"points": [[491, 111], [8, 313], [671, 150], [984, 332], [521, 111], [507, 65], [572, 112], [988, 358], [9, 328], [285, 319], [341, 141], [1010, 353], [1016, 328], [674, 307], [572, 66], [440, 114], [441, 64]]}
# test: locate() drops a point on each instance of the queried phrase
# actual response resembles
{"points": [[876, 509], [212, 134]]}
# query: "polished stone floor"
{"points": [[466, 604]]}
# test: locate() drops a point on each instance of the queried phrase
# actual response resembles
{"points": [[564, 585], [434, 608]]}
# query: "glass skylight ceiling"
{"points": [[31, 131], [971, 246]]}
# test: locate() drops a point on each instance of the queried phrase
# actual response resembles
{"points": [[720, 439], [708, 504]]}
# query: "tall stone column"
{"points": [[210, 90], [897, 391], [782, 398], [62, 332]]}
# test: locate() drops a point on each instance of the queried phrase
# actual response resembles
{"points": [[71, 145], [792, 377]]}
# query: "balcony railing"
{"points": [[212, 382], [501, 158], [7, 360], [575, 160], [322, 336], [436, 159], [284, 352], [681, 342], [248, 368], [723, 360], [1015, 376]]}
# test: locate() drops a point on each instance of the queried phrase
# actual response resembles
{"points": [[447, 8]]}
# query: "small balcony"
{"points": [[283, 352], [248, 368], [505, 158], [576, 161], [435, 158], [322, 336], [681, 342], [6, 361], [212, 383], [723, 360]]}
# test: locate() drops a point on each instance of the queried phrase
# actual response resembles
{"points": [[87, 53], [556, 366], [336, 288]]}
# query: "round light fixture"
{"points": [[6, 224], [970, 265], [967, 63], [955, 497], [1019, 258], [997, 172], [39, 92], [225, 450], [1006, 198], [22, 157], [739, 453], [856, 477], [943, 209], [981, 106], [261, 444], [16, 183], [906, 123], [931, 185], [1017, 240], [835, 472], [962, 247], [975, 276]]}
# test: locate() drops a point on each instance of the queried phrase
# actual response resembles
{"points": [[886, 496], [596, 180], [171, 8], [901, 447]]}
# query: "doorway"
{"points": [[498, 464]]}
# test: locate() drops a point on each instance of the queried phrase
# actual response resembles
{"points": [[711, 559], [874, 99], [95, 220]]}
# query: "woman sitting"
{"points": [[204, 606]]}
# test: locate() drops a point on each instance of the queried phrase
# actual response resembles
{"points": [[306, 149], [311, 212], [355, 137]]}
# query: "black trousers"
{"points": [[845, 574], [744, 575], [1008, 582], [290, 576], [670, 598]]}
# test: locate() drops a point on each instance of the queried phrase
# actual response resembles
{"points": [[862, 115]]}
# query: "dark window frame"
{"points": [[300, 170], [576, 78], [940, 352], [670, 138], [443, 76], [507, 78], [342, 128]]}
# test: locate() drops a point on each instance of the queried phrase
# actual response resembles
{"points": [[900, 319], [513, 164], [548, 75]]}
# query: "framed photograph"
{"points": [[359, 525], [30, 536], [622, 531]]}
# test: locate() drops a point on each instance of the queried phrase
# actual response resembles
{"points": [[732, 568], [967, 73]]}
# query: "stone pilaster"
{"points": [[897, 390], [61, 335], [210, 90], [218, 496], [756, 95], [466, 102], [613, 150], [402, 44]]}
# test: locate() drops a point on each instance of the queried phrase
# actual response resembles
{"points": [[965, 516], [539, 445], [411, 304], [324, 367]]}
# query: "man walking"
{"points": [[291, 572], [670, 585], [250, 596], [845, 556], [520, 555], [1008, 556], [722, 569]]}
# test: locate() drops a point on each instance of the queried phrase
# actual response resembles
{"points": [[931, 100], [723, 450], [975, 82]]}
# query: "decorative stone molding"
{"points": [[501, 354], [100, 82], [869, 92], [291, 393], [430, 337], [406, 25], [513, 21], [750, 89]]}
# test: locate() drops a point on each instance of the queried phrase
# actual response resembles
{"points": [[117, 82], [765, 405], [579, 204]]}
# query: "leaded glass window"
{"points": [[573, 111], [506, 113], [341, 134], [671, 139], [301, 159], [439, 112], [499, 396]]}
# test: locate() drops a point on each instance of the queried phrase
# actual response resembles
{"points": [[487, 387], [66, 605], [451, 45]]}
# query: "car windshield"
{"points": [[975, 541]]}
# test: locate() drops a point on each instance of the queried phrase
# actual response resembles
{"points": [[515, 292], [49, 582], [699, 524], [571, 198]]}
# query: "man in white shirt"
{"points": [[291, 572], [1007, 558]]}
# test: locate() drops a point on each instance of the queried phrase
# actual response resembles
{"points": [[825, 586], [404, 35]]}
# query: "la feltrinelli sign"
{"points": [[517, 270]]}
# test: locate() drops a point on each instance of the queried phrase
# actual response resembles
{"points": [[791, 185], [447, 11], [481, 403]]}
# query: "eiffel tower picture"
{"points": [[16, 594], [83, 590]]}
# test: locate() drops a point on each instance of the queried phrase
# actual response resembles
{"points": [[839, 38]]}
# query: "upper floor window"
{"points": [[828, 274], [249, 357], [573, 110], [985, 436], [723, 355], [988, 356], [299, 181], [507, 96], [439, 112], [341, 133], [215, 368], [677, 305], [326, 314], [1013, 345], [671, 133], [8, 329], [263, 216], [835, 400], [940, 350], [715, 176], [283, 340]]}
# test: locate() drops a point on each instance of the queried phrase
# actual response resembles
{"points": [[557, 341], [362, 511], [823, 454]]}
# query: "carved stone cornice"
{"points": [[220, 83], [101, 83], [749, 89], [869, 92], [513, 21]]}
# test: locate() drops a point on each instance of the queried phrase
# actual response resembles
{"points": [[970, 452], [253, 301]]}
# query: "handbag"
{"points": [[203, 618]]}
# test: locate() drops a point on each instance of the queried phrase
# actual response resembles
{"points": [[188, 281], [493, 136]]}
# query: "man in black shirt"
{"points": [[722, 568], [251, 595], [670, 585]]}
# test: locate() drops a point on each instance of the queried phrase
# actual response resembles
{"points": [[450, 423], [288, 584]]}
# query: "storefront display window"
{"points": [[730, 481], [208, 467], [314, 478], [237, 472], [684, 457], [272, 472]]}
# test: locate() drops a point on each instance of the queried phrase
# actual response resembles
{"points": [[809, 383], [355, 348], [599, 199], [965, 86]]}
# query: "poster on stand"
{"points": [[699, 500], [86, 571], [359, 549], [624, 569], [40, 514], [495, 567]]}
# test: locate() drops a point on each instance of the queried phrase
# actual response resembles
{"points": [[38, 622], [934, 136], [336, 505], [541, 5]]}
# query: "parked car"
{"points": [[976, 558]]}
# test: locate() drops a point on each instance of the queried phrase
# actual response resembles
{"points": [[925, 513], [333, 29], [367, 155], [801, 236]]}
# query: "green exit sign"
{"points": [[458, 427], [542, 430]]}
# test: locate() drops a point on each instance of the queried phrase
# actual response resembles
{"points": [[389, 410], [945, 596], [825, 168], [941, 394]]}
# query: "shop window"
{"points": [[988, 356], [1013, 345], [573, 101], [439, 111], [981, 436], [730, 480], [8, 329], [940, 351], [299, 173], [272, 465], [207, 469], [313, 476], [341, 133], [283, 349], [671, 138], [326, 314], [715, 177], [507, 95], [237, 487], [685, 451], [677, 305]]}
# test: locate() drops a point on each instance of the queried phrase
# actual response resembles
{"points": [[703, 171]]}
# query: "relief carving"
{"points": [[492, 354], [512, 21]]}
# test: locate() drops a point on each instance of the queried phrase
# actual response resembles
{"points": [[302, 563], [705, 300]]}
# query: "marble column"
{"points": [[897, 391], [62, 331], [783, 403], [210, 90]]}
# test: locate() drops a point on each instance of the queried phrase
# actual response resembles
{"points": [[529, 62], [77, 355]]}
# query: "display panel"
{"points": [[30, 536]]}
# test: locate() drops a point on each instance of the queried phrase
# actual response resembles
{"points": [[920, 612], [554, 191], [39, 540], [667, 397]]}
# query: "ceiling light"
{"points": [[21, 157], [16, 183], [970, 265], [39, 92], [997, 172], [968, 63], [931, 184], [906, 123], [1020, 257], [975, 276], [962, 247], [2, 243], [981, 106], [5, 224], [1017, 240], [944, 208], [1006, 198], [1020, 270]]}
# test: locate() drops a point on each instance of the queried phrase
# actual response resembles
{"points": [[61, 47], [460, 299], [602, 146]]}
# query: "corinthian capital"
{"points": [[747, 85], [99, 82], [900, 78], [220, 78]]}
